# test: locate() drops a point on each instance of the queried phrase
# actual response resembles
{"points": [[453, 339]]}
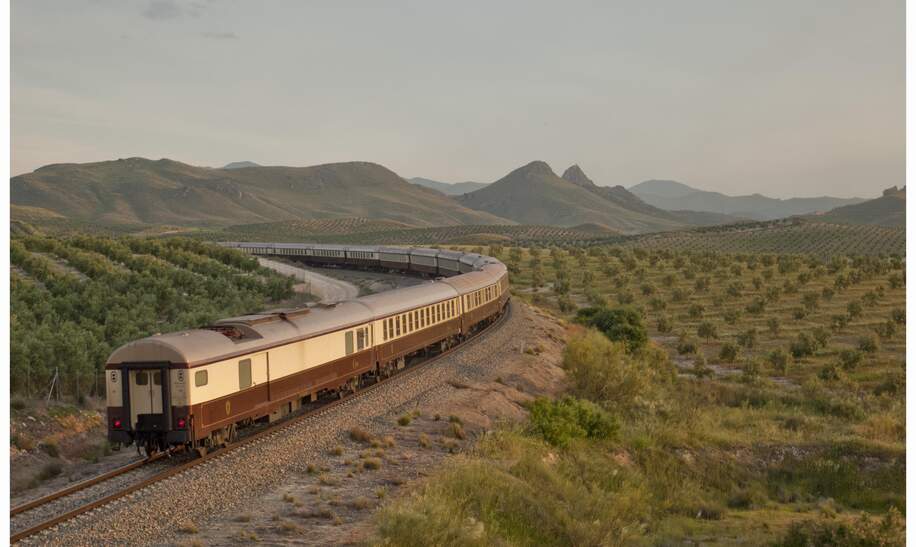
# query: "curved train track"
{"points": [[251, 439]]}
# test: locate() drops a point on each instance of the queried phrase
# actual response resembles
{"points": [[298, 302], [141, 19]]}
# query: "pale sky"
{"points": [[784, 98]]}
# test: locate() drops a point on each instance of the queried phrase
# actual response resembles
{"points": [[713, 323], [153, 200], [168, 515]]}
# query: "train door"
{"points": [[145, 398]]}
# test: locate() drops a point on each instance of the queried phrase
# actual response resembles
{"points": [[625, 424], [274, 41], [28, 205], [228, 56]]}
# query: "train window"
{"points": [[200, 378], [244, 373], [157, 378], [428, 318], [409, 322], [348, 341], [384, 330], [142, 379], [361, 336], [397, 326]]}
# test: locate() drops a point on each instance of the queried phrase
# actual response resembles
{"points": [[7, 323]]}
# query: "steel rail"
{"points": [[260, 435], [82, 485]]}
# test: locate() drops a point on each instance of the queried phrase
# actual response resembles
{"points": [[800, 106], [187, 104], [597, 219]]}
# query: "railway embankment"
{"points": [[321, 481]]}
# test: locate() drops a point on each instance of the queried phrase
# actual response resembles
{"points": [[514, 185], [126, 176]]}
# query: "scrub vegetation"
{"points": [[720, 398], [75, 299]]}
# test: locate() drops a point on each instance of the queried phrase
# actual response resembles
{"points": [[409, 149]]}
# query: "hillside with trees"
{"points": [[74, 300]]}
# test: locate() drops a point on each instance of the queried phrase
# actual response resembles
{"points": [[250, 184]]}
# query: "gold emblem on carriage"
{"points": [[228, 408]]}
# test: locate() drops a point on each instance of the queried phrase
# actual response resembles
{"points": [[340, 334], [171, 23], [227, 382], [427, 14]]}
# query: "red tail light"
{"points": [[181, 423], [116, 423]]}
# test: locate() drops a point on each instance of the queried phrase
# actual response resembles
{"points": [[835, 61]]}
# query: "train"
{"points": [[198, 388]]}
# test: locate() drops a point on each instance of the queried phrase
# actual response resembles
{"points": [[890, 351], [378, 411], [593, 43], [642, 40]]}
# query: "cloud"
{"points": [[220, 35], [161, 10]]}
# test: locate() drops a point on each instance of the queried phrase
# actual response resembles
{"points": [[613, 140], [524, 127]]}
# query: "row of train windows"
{"points": [[361, 339], [412, 321], [360, 254], [322, 252], [480, 297]]}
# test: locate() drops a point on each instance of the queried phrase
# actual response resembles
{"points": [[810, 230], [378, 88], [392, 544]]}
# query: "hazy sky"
{"points": [[778, 97]]}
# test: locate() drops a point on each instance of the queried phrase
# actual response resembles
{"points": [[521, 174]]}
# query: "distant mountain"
{"points": [[448, 188], [142, 191], [534, 194], [888, 210], [240, 165], [672, 195]]}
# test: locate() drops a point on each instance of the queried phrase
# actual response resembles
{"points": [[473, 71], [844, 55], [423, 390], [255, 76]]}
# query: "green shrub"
{"points": [[604, 372], [728, 352], [868, 344], [804, 346], [618, 324], [850, 359], [559, 422], [779, 360]]}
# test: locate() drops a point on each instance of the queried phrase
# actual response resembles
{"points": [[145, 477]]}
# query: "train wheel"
{"points": [[151, 447], [201, 451]]}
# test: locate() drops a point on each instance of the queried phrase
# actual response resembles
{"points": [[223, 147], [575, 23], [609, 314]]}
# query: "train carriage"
{"points": [[424, 261], [327, 254], [448, 262], [362, 256], [197, 387], [394, 258], [467, 261]]}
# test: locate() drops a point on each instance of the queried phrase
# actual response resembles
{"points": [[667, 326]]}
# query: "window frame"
{"points": [[201, 374], [243, 365]]}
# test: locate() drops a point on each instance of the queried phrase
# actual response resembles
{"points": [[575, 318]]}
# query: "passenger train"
{"points": [[197, 388]]}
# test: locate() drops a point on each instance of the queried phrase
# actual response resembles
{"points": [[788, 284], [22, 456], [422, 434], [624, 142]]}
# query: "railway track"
{"points": [[250, 439]]}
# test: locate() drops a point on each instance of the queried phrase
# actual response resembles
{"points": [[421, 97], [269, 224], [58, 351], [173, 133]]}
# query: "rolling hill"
{"points": [[534, 194], [672, 195], [626, 199], [888, 210], [448, 188], [143, 191]]}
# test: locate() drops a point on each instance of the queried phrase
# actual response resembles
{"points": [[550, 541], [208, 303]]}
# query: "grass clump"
{"points": [[559, 422], [360, 435], [404, 420]]}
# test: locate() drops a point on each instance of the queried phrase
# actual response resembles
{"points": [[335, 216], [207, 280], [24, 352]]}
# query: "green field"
{"points": [[775, 411], [74, 300]]}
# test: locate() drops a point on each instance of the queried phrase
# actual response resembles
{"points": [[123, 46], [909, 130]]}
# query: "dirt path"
{"points": [[327, 289]]}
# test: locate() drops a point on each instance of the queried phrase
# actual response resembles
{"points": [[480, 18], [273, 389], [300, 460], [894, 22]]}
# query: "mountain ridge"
{"points": [[534, 194], [144, 191], [672, 195]]}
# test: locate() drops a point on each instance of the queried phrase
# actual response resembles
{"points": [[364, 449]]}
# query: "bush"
{"points": [[559, 422], [604, 372], [748, 338], [850, 359], [686, 345], [707, 330], [779, 360], [619, 324], [868, 344], [804, 346], [728, 352]]}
